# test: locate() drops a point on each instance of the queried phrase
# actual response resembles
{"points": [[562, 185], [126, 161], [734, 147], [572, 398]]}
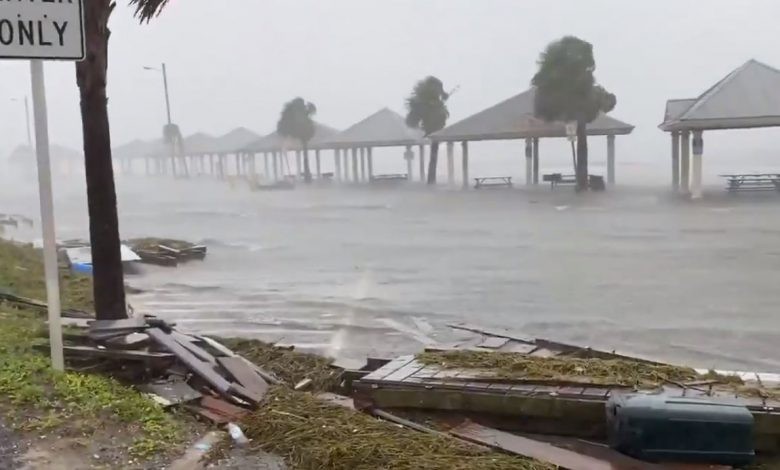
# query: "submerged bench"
{"points": [[596, 182], [390, 178], [488, 182], [752, 182]]}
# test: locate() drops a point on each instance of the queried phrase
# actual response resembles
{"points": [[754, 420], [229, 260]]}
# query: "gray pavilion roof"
{"points": [[274, 142], [199, 143], [676, 108], [139, 148], [514, 119], [385, 128], [238, 138], [748, 97]]}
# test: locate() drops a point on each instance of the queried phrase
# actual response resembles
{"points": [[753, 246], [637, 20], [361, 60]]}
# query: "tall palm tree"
{"points": [[566, 90], [296, 122], [109, 290], [427, 110]]}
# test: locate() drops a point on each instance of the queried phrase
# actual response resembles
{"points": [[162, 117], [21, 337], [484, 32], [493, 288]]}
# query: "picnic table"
{"points": [[752, 182], [493, 182], [389, 178]]}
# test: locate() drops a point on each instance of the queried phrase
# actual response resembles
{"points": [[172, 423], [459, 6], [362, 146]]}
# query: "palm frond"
{"points": [[145, 10]]}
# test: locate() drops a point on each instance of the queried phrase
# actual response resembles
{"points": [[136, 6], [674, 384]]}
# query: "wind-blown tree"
{"points": [[296, 122], [427, 110], [109, 289], [566, 90]]}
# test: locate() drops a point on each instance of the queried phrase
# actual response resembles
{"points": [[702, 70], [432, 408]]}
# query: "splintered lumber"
{"points": [[115, 354], [203, 370], [188, 343], [245, 376], [128, 323], [226, 411], [170, 393], [517, 445]]}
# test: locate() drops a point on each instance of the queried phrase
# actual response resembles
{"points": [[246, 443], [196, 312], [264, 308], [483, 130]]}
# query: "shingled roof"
{"points": [[385, 128], [514, 119], [748, 97]]}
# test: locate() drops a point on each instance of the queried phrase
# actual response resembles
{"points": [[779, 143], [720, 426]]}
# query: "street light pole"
{"points": [[167, 98], [27, 121]]}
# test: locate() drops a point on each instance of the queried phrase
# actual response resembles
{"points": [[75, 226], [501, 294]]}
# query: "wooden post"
{"points": [[451, 163], [362, 163], [275, 161], [266, 174], [422, 163], [465, 145], [317, 163], [370, 162], [696, 168], [409, 157], [529, 161], [337, 164], [675, 161], [355, 165], [685, 162], [611, 159], [298, 165], [536, 160]]}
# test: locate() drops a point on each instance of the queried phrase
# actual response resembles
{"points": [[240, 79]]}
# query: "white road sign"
{"points": [[41, 29]]}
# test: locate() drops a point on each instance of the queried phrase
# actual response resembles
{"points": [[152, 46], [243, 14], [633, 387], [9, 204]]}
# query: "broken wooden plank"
{"points": [[518, 445], [232, 412], [188, 343], [216, 345], [338, 400], [208, 414], [244, 375], [493, 342], [303, 384], [170, 393], [250, 396], [115, 354], [492, 332], [127, 323], [131, 341], [200, 368]]}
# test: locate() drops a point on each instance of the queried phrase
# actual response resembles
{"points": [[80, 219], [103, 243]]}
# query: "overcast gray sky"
{"points": [[234, 62]]}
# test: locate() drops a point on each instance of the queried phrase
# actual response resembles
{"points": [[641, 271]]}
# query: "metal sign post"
{"points": [[37, 31]]}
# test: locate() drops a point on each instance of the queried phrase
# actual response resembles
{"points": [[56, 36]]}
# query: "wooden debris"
{"points": [[128, 323], [131, 341], [170, 393], [227, 410], [492, 332], [200, 368], [517, 445], [246, 377], [115, 354], [189, 343], [493, 342], [338, 400], [303, 384]]}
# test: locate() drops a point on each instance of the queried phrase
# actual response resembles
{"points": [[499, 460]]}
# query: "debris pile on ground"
{"points": [[598, 371], [317, 435], [166, 251]]}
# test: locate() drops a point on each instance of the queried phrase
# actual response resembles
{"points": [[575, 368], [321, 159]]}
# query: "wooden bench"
{"points": [[492, 182], [389, 178], [752, 182], [596, 182]]}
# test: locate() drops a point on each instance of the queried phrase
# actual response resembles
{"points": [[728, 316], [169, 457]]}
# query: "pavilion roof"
{"points": [[384, 128], [274, 141], [514, 119]]}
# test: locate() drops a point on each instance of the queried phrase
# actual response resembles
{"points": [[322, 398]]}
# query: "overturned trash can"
{"points": [[658, 428]]}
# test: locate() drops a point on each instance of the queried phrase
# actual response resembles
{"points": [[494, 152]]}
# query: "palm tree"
{"points": [[296, 123], [109, 289], [427, 110], [566, 90]]}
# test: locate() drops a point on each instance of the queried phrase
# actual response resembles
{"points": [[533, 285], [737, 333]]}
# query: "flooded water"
{"points": [[356, 272]]}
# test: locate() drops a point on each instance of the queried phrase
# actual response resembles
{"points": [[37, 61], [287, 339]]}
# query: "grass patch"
{"points": [[515, 365], [35, 397], [312, 435], [289, 365]]}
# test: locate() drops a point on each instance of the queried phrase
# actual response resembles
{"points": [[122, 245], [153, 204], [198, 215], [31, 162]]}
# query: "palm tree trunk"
{"points": [[582, 156], [306, 167], [432, 163], [108, 285]]}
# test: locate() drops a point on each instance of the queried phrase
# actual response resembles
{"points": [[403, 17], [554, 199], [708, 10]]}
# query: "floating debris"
{"points": [[166, 251]]}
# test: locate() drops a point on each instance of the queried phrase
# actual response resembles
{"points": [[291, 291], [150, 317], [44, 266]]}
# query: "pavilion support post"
{"points": [[203, 164], [685, 165], [298, 164], [451, 163], [362, 163], [370, 163], [422, 163], [146, 165], [536, 159], [465, 154], [355, 175], [211, 164], [611, 159], [337, 164], [675, 161], [266, 174], [696, 174], [345, 164], [275, 164], [529, 161], [409, 157], [253, 159], [317, 163]]}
